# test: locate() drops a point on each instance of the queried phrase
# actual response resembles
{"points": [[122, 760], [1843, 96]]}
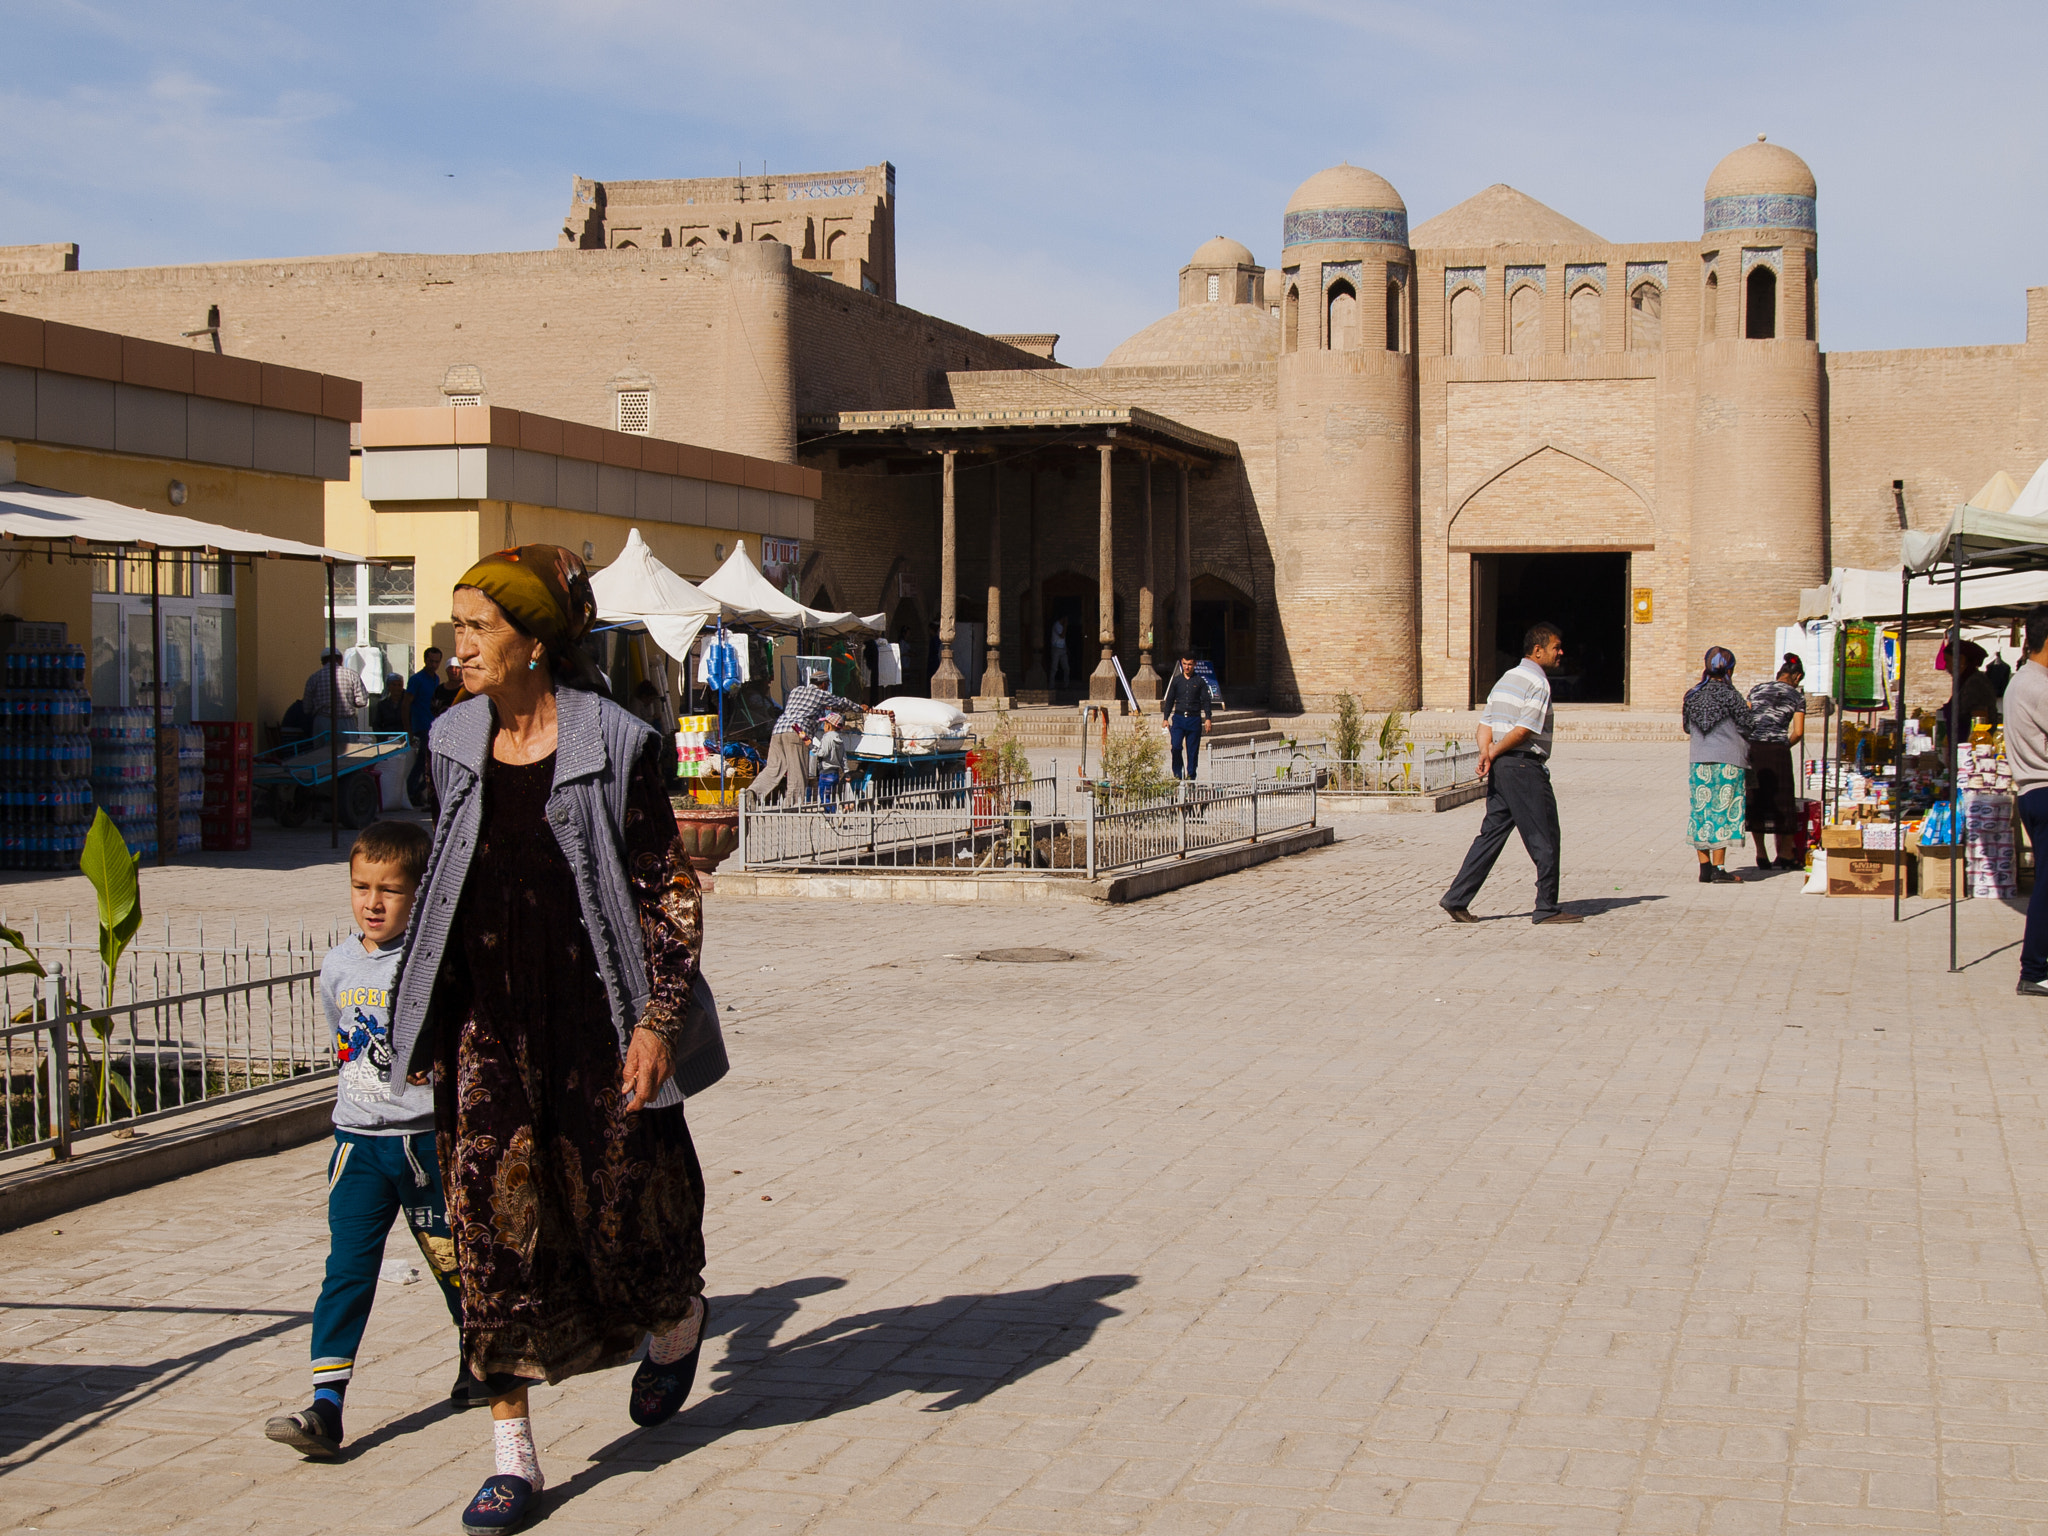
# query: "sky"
{"points": [[1056, 162]]}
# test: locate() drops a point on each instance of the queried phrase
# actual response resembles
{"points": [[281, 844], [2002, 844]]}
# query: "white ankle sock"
{"points": [[512, 1439], [668, 1348]]}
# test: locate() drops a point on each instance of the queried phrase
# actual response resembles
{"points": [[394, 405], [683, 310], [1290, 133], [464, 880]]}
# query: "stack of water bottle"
{"points": [[124, 771], [45, 755], [191, 785]]}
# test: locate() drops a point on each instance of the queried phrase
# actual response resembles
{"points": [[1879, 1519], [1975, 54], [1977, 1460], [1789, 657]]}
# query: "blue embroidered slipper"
{"points": [[504, 1503], [659, 1391]]}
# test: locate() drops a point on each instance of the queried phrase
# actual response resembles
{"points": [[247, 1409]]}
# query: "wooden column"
{"points": [[1035, 689], [1183, 598], [995, 687], [1145, 682], [1102, 682], [947, 680]]}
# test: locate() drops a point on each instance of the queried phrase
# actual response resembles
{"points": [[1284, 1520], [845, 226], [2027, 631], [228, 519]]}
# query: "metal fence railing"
{"points": [[185, 1026], [1201, 818], [1020, 828], [1414, 770]]}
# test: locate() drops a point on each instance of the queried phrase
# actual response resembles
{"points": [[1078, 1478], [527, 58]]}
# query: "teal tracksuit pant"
{"points": [[370, 1181]]}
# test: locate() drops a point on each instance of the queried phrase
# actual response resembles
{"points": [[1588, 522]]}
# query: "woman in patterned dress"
{"points": [[1718, 722], [552, 981], [1779, 711]]}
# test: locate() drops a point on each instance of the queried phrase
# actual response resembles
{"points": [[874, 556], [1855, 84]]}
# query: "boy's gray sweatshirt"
{"points": [[355, 989]]}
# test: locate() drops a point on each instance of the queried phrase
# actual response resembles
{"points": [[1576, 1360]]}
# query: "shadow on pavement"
{"points": [[1594, 906], [45, 1406], [963, 1347]]}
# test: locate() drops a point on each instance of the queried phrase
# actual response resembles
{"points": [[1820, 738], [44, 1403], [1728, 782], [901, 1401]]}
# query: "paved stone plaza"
{"points": [[1287, 1206]]}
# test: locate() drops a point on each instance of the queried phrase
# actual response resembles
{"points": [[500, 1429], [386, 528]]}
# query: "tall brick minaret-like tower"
{"points": [[1758, 521], [1346, 555]]}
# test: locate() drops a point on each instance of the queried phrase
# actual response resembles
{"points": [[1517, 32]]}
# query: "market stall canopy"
{"points": [[750, 598], [38, 514], [1985, 533], [1855, 594], [638, 589]]}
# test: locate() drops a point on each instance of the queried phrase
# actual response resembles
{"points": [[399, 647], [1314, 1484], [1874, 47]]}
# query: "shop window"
{"points": [[1760, 321], [1646, 318]]}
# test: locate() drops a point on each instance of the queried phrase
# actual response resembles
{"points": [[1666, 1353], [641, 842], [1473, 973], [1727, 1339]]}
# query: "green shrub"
{"points": [[1134, 759]]}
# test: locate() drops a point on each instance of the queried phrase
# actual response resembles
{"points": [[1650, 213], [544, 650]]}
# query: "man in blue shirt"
{"points": [[421, 691]]}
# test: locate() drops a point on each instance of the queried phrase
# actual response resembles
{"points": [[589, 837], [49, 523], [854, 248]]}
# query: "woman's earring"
{"points": [[534, 665]]}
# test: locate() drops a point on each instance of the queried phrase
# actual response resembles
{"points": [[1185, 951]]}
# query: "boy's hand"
{"points": [[647, 1068]]}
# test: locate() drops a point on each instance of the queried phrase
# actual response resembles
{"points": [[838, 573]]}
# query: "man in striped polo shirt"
{"points": [[1514, 757]]}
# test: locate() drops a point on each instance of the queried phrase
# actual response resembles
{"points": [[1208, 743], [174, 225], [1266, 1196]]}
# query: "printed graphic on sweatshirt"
{"points": [[363, 1042]]}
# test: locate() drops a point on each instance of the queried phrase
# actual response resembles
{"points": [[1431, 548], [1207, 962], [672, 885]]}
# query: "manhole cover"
{"points": [[1026, 956]]}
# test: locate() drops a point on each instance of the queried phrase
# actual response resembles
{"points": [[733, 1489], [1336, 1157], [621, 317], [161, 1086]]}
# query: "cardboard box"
{"points": [[1937, 865], [1867, 872], [1850, 836]]}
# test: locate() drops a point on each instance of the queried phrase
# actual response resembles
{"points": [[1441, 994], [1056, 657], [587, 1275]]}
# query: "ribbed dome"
{"points": [[1761, 168], [1202, 333], [1345, 186], [1221, 251]]}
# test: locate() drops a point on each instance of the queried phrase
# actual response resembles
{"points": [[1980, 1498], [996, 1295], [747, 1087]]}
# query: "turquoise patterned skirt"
{"points": [[1717, 805]]}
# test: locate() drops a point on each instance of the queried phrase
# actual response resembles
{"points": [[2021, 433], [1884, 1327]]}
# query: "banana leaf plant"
{"points": [[93, 1091], [111, 869]]}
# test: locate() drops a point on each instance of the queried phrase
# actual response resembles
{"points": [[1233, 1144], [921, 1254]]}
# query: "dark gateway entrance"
{"points": [[1586, 596]]}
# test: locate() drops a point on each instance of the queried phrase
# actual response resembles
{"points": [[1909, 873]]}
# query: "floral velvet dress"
{"points": [[579, 1228]]}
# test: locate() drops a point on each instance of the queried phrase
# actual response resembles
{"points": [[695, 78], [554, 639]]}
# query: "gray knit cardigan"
{"points": [[596, 743]]}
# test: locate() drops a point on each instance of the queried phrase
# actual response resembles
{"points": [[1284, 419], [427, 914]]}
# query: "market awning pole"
{"points": [[156, 712], [1899, 755], [1960, 867], [333, 720]]}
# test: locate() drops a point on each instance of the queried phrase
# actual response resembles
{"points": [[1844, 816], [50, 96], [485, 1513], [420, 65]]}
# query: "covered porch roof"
{"points": [[859, 435]]}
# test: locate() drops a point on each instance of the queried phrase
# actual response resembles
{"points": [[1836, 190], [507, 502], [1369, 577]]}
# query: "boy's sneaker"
{"points": [[468, 1392], [313, 1432], [2033, 989]]}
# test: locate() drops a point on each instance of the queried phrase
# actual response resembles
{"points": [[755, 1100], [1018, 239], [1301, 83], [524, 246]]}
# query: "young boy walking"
{"points": [[383, 1160]]}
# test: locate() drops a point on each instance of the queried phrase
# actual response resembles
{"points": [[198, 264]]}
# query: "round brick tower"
{"points": [[1758, 524], [1345, 553]]}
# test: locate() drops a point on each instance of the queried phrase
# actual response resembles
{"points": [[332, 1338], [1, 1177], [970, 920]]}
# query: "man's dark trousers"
{"points": [[1518, 798], [1185, 729], [2034, 947]]}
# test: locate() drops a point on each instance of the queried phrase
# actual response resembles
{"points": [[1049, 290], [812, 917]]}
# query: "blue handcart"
{"points": [[291, 781]]}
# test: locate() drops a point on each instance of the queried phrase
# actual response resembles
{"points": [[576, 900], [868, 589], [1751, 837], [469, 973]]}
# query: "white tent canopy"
{"points": [[637, 588], [750, 598], [1984, 531], [36, 512], [1856, 594]]}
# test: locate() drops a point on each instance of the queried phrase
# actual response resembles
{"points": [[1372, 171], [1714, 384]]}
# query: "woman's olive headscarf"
{"points": [[545, 590]]}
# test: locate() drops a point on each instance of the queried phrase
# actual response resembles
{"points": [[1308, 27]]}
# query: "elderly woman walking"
{"points": [[1778, 709], [552, 982], [1718, 722]]}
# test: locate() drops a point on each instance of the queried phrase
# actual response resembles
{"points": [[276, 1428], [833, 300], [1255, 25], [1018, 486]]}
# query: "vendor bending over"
{"points": [[787, 771]]}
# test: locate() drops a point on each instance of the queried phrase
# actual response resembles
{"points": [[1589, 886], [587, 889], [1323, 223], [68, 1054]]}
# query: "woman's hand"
{"points": [[648, 1066]]}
